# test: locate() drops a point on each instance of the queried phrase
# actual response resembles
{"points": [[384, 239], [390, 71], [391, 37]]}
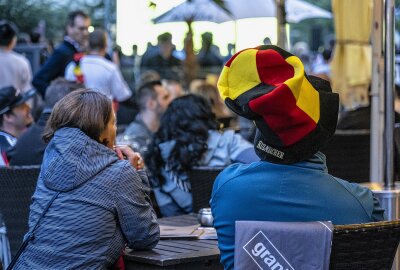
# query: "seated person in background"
{"points": [[189, 136], [210, 93], [15, 117], [295, 115], [174, 87], [101, 201], [152, 99], [30, 147], [148, 76]]}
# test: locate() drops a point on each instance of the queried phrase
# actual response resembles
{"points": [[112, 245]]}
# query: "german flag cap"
{"points": [[295, 114]]}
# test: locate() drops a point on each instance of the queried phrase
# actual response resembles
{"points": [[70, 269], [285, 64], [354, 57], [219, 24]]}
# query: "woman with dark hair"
{"points": [[189, 136], [95, 198]]}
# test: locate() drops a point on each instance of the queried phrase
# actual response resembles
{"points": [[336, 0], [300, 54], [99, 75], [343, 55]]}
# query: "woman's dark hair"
{"points": [[187, 120], [86, 109]]}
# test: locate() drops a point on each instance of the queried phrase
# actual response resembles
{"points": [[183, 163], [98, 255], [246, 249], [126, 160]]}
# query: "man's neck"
{"points": [[97, 52], [78, 47], [6, 48], [151, 120], [10, 130]]}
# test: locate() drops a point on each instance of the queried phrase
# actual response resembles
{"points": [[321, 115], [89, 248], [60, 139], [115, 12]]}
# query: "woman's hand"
{"points": [[134, 158]]}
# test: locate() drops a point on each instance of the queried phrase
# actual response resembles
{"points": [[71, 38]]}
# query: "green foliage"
{"points": [[26, 14], [316, 32]]}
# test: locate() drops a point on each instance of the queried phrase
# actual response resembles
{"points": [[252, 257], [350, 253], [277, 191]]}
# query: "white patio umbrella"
{"points": [[296, 10], [195, 11]]}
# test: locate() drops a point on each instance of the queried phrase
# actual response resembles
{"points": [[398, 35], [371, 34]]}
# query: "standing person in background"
{"points": [[75, 41], [163, 61], [15, 69], [98, 73], [15, 117], [208, 55]]}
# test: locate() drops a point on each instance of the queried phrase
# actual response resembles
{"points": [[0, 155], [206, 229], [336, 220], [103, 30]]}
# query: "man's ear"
{"points": [[151, 104], [7, 117]]}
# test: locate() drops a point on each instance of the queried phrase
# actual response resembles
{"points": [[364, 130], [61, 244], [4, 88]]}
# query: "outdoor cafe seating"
{"points": [[356, 246], [347, 155], [201, 181], [369, 246]]}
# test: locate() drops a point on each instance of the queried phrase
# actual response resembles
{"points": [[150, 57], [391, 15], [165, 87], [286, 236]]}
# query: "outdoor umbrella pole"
{"points": [[389, 87]]}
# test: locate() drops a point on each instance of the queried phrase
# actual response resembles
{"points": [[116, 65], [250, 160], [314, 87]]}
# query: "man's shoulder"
{"points": [[19, 58], [65, 48], [136, 128], [237, 172], [101, 61]]}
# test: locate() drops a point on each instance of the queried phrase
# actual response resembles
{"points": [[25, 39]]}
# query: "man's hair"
{"points": [[73, 14], [58, 89], [8, 31], [145, 92], [97, 40], [164, 38], [86, 109], [2, 117]]}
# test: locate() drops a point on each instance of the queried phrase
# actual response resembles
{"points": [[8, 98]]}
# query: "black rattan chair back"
{"points": [[202, 181], [17, 185], [369, 246], [347, 155]]}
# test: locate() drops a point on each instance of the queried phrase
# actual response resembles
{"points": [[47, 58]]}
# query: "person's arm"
{"points": [[119, 88], [136, 215], [52, 68], [69, 72], [26, 77]]}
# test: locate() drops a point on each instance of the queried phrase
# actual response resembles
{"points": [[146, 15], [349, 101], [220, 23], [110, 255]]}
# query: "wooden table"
{"points": [[177, 254]]}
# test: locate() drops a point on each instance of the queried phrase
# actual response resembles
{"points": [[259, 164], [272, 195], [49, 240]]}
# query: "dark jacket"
{"points": [[170, 68], [103, 204], [54, 66], [30, 147]]}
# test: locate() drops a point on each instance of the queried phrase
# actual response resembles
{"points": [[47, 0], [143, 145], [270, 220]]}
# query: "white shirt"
{"points": [[15, 70], [102, 75]]}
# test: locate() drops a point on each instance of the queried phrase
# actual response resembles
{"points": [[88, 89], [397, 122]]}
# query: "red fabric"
{"points": [[115, 105], [280, 112], [120, 264], [77, 56], [272, 67], [4, 157]]}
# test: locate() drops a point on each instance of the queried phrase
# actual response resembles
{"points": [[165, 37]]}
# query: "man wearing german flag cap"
{"points": [[295, 115]]}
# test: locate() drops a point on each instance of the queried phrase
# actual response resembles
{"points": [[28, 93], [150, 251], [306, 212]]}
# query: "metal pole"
{"points": [[377, 93], [281, 23], [389, 90]]}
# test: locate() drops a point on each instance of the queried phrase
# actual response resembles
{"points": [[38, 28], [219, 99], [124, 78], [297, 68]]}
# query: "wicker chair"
{"points": [[17, 185], [202, 180], [366, 246], [347, 155]]}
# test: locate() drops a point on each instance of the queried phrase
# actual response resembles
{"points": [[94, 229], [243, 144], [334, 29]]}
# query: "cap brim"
{"points": [[23, 98], [19, 100]]}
